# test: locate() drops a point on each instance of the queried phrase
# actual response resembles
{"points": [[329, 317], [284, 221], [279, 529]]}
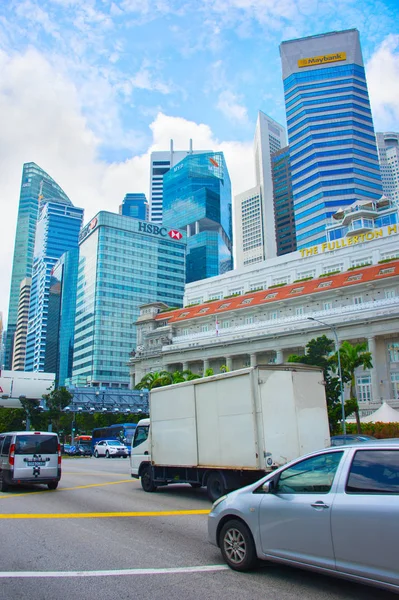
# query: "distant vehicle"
{"points": [[110, 449], [79, 450], [65, 448], [121, 432], [29, 457], [342, 440], [335, 511], [228, 430], [82, 439]]}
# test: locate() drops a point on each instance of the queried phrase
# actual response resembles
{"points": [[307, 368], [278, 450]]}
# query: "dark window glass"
{"points": [[141, 435], [6, 445], [1, 441], [36, 444], [313, 475], [374, 472]]}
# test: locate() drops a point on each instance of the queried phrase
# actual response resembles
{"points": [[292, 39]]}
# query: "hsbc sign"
{"points": [[157, 230]]}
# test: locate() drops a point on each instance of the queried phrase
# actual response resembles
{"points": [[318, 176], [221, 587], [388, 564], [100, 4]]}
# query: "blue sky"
{"points": [[90, 87]]}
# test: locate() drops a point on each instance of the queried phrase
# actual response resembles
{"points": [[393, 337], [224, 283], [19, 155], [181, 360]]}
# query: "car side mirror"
{"points": [[268, 487]]}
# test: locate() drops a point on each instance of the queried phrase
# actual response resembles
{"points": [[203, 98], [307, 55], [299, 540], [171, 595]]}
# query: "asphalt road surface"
{"points": [[100, 537]]}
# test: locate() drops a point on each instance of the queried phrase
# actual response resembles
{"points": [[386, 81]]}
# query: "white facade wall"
{"points": [[248, 228], [388, 154]]}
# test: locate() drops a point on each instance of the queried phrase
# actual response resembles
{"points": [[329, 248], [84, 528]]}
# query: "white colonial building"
{"points": [[261, 314]]}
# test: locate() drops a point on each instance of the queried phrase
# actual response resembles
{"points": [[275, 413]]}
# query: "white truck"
{"points": [[228, 430]]}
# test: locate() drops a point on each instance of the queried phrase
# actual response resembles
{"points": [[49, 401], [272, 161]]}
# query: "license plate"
{"points": [[36, 463]]}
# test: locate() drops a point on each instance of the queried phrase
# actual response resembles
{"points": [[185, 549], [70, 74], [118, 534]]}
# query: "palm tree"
{"points": [[154, 379], [353, 356]]}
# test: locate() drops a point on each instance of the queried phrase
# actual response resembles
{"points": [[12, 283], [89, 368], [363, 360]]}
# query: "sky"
{"points": [[89, 88]]}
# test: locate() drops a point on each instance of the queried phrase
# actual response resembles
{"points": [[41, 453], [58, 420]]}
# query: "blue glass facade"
{"points": [[134, 205], [35, 183], [197, 199], [334, 159], [57, 231], [61, 315], [284, 215], [123, 263]]}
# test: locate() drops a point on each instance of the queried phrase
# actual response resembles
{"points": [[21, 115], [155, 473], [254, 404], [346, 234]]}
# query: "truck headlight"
{"points": [[218, 501]]}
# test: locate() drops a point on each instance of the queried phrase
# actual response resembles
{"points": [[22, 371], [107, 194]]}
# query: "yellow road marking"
{"points": [[163, 513], [78, 487]]}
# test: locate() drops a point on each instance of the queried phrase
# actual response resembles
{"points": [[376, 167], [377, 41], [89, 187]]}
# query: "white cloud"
{"points": [[383, 82], [228, 104], [42, 120]]}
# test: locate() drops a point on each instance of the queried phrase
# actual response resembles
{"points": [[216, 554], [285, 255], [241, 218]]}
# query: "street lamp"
{"points": [[333, 329]]}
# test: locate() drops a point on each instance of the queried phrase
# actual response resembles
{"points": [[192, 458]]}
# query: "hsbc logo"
{"points": [[175, 235]]}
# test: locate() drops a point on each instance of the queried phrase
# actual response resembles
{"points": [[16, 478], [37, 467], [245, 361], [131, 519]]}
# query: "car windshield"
{"points": [[114, 443], [36, 444]]}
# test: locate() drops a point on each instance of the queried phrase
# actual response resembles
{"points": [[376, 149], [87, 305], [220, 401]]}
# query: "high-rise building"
{"points": [[57, 231], [161, 162], [334, 159], [18, 355], [197, 199], [35, 183], [248, 228], [123, 263], [61, 314], [136, 206], [2, 332], [270, 137], [388, 152], [283, 200]]}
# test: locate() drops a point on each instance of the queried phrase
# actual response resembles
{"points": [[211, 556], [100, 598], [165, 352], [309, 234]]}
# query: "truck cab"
{"points": [[141, 447]]}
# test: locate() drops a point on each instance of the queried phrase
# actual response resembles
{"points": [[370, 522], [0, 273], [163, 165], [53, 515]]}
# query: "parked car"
{"points": [[350, 438], [110, 449], [79, 450], [335, 511]]}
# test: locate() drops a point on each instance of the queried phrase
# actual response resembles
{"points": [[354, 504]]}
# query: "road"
{"points": [[99, 536]]}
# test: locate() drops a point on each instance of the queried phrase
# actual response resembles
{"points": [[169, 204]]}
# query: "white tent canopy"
{"points": [[385, 414]]}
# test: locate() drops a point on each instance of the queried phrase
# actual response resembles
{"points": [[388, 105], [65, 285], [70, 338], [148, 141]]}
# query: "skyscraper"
{"points": [[123, 263], [248, 228], [334, 159], [35, 182], [161, 162], [197, 199], [388, 152], [136, 206], [284, 215], [18, 355], [57, 231]]}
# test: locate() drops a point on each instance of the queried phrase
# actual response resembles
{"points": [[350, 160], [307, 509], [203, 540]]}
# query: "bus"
{"points": [[123, 432]]}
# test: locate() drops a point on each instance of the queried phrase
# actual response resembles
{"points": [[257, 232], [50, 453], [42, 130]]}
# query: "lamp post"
{"points": [[341, 387]]}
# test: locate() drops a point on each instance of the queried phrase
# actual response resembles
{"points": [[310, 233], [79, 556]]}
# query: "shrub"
{"points": [[328, 274], [378, 430], [385, 260], [276, 285], [359, 266], [303, 279]]}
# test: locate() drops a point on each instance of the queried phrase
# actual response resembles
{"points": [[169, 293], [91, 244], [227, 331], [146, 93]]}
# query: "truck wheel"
{"points": [[215, 486], [237, 546], [147, 483], [3, 483]]}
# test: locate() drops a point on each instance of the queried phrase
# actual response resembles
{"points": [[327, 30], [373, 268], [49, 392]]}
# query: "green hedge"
{"points": [[378, 430]]}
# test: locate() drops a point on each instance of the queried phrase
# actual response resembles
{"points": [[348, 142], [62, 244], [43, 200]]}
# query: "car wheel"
{"points": [[147, 482], [3, 483], [96, 453], [106, 454], [52, 485], [124, 456], [237, 546], [195, 486], [215, 486]]}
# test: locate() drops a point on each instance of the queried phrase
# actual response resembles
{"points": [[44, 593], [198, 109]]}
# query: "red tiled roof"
{"points": [[293, 290]]}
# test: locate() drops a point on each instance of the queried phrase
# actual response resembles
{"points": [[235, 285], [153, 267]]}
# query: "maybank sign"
{"points": [[350, 241], [321, 60]]}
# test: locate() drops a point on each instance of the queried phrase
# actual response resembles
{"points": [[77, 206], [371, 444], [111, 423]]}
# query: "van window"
{"points": [[36, 444], [6, 445], [1, 441]]}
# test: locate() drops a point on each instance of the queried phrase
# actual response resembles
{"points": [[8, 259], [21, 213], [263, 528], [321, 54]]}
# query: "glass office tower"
{"points": [[283, 202], [57, 231], [197, 199], [35, 184], [61, 314], [123, 263], [136, 206], [334, 159]]}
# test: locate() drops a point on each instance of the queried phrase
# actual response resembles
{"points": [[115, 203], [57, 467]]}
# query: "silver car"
{"points": [[334, 511]]}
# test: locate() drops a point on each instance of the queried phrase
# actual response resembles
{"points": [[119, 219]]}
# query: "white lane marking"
{"points": [[117, 572]]}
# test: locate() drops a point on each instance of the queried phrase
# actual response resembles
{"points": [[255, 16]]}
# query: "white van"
{"points": [[29, 457]]}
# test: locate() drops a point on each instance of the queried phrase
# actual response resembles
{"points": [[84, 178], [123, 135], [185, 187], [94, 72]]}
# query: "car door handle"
{"points": [[319, 504]]}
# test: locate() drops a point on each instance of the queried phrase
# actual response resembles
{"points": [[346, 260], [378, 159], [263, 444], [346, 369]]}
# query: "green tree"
{"points": [[224, 369], [352, 357], [56, 401], [318, 353], [209, 373], [162, 378]]}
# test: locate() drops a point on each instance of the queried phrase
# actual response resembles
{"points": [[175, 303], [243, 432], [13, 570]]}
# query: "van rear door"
{"points": [[36, 456]]}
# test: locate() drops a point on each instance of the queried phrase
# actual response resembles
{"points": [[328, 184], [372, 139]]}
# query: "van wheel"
{"points": [[52, 485], [3, 483], [147, 482], [215, 486], [237, 546]]}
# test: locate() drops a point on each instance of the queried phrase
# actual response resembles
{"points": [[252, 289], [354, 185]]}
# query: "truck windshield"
{"points": [[36, 444]]}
